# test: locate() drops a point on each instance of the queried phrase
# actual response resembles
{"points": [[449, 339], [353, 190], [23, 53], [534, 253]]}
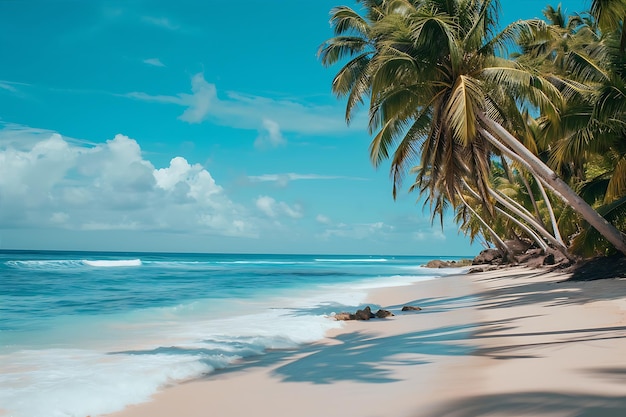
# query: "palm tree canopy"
{"points": [[443, 97]]}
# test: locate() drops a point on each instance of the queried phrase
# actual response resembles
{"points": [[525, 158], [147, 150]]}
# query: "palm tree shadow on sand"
{"points": [[535, 404]]}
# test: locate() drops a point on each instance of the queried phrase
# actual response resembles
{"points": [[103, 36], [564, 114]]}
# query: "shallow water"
{"points": [[86, 333]]}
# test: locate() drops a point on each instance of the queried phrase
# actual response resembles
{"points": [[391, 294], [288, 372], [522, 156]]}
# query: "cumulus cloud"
{"points": [[270, 135], [271, 117], [51, 182], [156, 62], [272, 208]]}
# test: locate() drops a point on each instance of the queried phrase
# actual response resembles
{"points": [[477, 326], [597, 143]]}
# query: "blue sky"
{"points": [[192, 126]]}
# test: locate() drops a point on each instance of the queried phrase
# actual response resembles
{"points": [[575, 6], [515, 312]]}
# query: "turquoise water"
{"points": [[86, 333]]}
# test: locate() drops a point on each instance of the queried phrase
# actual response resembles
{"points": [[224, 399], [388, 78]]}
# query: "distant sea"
{"points": [[87, 333]]}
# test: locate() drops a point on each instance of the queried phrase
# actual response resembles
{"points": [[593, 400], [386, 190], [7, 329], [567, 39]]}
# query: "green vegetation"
{"points": [[522, 132]]}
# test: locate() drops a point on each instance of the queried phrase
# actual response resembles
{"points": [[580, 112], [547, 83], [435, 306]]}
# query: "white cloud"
{"points": [[51, 182], [376, 230], [270, 135], [401, 228], [272, 208], [429, 235], [157, 99], [156, 62], [59, 217], [283, 179], [199, 103], [320, 218], [6, 86], [270, 116], [29, 176], [10, 86]]}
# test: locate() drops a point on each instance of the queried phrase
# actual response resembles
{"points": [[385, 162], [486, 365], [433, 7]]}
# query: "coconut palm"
{"points": [[587, 145], [438, 87], [610, 16]]}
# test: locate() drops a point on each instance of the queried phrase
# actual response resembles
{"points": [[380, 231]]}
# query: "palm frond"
{"points": [[463, 106]]}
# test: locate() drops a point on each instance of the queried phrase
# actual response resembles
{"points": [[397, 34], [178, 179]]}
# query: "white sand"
{"points": [[504, 343]]}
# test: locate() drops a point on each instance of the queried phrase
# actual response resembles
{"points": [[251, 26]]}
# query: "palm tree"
{"points": [[586, 146], [438, 89], [611, 16]]}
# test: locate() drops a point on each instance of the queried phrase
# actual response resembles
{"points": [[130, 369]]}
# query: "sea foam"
{"points": [[79, 382], [113, 263]]}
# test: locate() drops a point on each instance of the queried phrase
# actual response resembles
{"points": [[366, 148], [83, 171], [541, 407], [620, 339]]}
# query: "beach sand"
{"points": [[512, 342]]}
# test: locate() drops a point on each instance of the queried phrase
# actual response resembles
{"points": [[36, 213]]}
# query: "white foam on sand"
{"points": [[81, 382]]}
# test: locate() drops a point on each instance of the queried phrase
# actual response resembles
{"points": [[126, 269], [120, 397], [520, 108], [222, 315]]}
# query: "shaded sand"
{"points": [[511, 342]]}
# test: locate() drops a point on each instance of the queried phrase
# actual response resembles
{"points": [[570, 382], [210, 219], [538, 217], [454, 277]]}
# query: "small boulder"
{"points": [[364, 314], [411, 308], [530, 255], [436, 263], [381, 314], [549, 259], [344, 316], [487, 256], [517, 246]]}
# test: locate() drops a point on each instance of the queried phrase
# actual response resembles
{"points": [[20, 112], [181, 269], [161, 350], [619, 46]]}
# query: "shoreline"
{"points": [[507, 342]]}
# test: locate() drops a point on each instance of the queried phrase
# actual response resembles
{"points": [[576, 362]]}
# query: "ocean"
{"points": [[88, 333]]}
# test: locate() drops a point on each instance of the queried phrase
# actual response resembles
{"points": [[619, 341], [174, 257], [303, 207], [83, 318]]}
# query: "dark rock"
{"points": [[517, 246], [485, 268], [530, 255], [436, 263], [487, 256], [344, 316], [364, 314], [549, 259], [411, 308], [381, 314]]}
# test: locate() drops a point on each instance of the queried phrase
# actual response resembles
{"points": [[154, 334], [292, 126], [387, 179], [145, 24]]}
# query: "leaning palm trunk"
{"points": [[502, 247], [534, 236], [607, 230], [525, 215], [530, 220], [529, 190], [555, 225]]}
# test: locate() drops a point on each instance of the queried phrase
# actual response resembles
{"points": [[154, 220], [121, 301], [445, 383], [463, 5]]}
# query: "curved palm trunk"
{"points": [[521, 208], [525, 228], [527, 217], [529, 190], [607, 230], [555, 226], [502, 247], [534, 236]]}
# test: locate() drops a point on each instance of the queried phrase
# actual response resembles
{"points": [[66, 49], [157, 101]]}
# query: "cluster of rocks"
{"points": [[367, 314], [524, 253], [437, 263]]}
